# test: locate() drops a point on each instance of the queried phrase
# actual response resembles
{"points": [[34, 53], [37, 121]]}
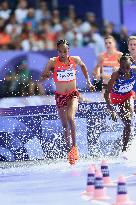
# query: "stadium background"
{"points": [[34, 132]]}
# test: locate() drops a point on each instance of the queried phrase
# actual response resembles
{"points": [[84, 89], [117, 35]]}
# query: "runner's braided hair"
{"points": [[62, 42], [126, 56]]}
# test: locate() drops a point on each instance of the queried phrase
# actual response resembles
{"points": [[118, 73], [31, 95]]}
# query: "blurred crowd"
{"points": [[28, 26], [19, 82]]}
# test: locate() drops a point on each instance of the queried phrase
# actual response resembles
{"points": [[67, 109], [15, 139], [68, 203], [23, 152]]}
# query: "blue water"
{"points": [[56, 182]]}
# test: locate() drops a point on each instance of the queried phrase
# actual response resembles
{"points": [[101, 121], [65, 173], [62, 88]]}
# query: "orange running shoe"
{"points": [[71, 156], [76, 153]]}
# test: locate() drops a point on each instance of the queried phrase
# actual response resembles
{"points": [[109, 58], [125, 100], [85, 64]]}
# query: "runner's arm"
{"points": [[47, 70], [111, 82], [97, 69]]}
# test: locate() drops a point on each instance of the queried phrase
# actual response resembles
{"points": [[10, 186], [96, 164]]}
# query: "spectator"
{"points": [[31, 42], [13, 28], [12, 83], [74, 37], [21, 11], [109, 30], [91, 18], [85, 29], [5, 39], [47, 35], [17, 81], [123, 47], [96, 40], [71, 15], [5, 11], [24, 78], [42, 12], [55, 17], [30, 20]]}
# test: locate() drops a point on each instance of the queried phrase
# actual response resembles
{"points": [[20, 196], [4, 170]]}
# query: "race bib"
{"points": [[107, 70], [126, 88], [66, 75]]}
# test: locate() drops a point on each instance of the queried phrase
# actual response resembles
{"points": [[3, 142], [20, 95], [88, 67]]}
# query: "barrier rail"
{"points": [[35, 132]]}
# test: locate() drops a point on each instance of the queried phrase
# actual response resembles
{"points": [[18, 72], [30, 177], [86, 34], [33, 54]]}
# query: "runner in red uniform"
{"points": [[63, 68], [108, 61]]}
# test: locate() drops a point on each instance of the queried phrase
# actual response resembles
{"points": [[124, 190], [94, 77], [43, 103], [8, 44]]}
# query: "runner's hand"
{"points": [[91, 87], [114, 116]]}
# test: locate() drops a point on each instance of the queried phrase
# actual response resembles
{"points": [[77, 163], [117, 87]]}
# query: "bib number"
{"points": [[65, 75], [126, 88]]}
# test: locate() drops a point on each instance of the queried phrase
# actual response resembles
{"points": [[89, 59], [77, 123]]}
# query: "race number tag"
{"points": [[107, 70], [126, 88], [66, 75]]}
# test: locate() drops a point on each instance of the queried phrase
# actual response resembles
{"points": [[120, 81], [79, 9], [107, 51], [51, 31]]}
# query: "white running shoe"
{"points": [[124, 155]]}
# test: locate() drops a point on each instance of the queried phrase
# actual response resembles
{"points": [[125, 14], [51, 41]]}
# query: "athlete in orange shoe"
{"points": [[73, 155], [108, 62], [64, 69]]}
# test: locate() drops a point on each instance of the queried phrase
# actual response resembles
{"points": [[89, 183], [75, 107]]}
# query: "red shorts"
{"points": [[63, 98], [120, 98]]}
